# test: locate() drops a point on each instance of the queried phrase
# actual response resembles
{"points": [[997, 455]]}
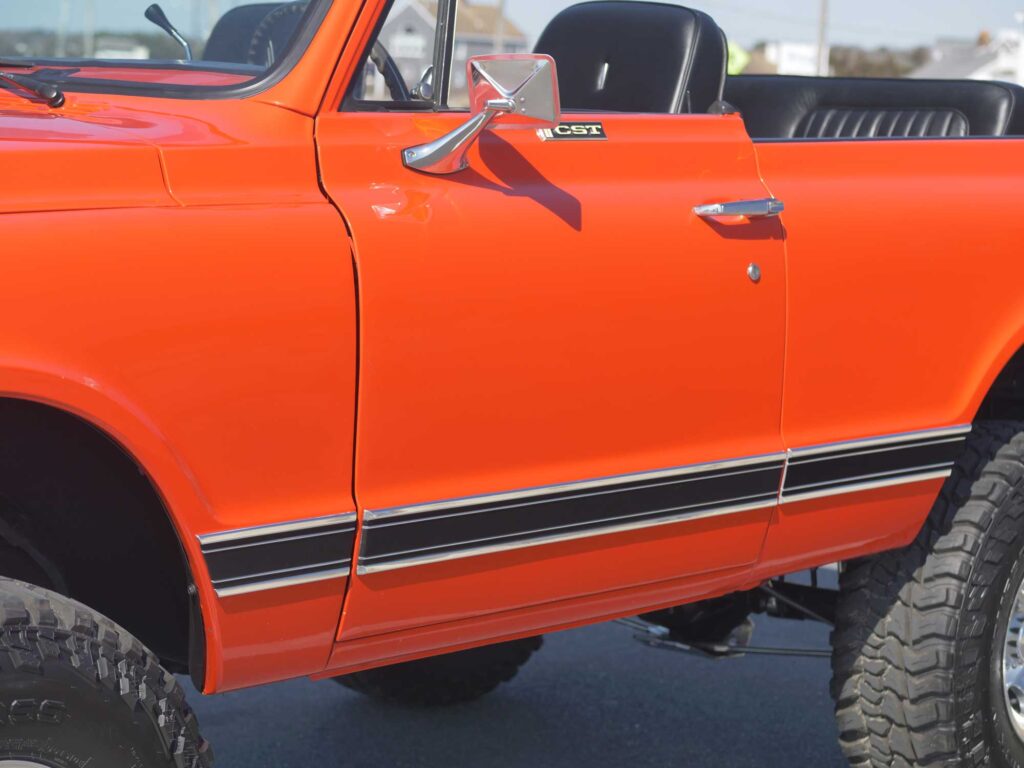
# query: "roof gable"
{"points": [[478, 20]]}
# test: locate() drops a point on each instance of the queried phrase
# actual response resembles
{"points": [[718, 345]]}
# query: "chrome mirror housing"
{"points": [[506, 90], [424, 89]]}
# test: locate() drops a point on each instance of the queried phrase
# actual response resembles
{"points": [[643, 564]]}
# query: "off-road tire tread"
{"points": [[910, 629], [408, 685], [39, 628]]}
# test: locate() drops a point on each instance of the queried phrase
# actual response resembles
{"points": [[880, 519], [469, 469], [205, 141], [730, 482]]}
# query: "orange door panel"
{"points": [[880, 233], [550, 342], [897, 326]]}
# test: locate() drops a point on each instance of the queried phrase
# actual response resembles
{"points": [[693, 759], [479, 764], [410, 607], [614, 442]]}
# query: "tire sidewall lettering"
{"points": [[29, 711]]}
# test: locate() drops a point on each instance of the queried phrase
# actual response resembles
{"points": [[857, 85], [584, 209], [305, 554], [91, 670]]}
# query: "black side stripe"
{"points": [[434, 532], [269, 557], [401, 537], [830, 470]]}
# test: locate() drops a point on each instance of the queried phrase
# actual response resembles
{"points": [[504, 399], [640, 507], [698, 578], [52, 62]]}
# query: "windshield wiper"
{"points": [[53, 95], [17, 64]]}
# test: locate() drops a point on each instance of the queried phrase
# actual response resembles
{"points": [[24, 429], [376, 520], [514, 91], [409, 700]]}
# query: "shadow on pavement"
{"points": [[591, 697]]}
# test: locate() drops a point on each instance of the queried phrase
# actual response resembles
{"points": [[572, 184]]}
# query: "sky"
{"points": [[863, 22]]}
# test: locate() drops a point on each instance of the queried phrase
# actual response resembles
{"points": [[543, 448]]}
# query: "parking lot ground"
{"points": [[592, 697]]}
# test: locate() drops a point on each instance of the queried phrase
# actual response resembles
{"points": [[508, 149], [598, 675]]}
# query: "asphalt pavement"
{"points": [[592, 697]]}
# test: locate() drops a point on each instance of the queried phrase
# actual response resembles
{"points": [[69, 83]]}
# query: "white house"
{"points": [[790, 58], [997, 57]]}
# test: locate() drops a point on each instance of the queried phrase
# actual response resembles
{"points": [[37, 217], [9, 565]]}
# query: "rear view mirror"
{"points": [[527, 80], [506, 90]]}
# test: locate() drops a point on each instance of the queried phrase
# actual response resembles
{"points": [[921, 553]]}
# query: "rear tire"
{"points": [[921, 632], [76, 690], [441, 681]]}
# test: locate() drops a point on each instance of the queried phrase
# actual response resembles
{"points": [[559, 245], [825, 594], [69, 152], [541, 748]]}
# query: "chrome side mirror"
{"points": [[424, 89], [507, 90]]}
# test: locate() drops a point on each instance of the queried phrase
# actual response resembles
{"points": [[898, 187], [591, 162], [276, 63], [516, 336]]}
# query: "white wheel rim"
{"points": [[20, 764], [1013, 666]]}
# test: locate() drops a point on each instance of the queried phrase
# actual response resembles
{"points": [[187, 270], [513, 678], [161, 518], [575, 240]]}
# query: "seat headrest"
{"points": [[624, 56]]}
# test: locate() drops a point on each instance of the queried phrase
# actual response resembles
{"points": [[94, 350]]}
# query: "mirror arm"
{"points": [[448, 154]]}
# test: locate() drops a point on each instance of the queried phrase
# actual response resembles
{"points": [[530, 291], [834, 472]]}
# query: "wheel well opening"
{"points": [[78, 515], [1005, 399]]}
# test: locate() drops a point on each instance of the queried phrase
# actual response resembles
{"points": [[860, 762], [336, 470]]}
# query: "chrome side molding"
{"points": [[276, 556], [435, 532], [861, 465], [305, 551], [461, 528]]}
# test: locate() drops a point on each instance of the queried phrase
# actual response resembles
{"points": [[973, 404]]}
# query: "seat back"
{"points": [[779, 107], [882, 122], [232, 35], [619, 56]]}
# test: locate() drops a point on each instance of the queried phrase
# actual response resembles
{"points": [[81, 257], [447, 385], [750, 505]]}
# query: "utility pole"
{"points": [[823, 46], [1020, 48], [499, 31], [89, 30], [63, 20]]}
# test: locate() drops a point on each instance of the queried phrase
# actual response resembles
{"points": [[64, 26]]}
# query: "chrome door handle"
{"points": [[752, 209]]}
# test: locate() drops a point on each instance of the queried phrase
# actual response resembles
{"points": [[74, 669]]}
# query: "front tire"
{"points": [[923, 633], [77, 690]]}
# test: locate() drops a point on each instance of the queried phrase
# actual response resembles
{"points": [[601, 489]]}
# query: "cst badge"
{"points": [[588, 131]]}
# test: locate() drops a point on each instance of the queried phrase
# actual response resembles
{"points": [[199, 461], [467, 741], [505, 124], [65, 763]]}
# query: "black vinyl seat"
{"points": [[783, 107], [618, 56], [232, 35]]}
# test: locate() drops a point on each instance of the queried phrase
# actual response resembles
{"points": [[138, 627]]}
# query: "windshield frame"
{"points": [[315, 16]]}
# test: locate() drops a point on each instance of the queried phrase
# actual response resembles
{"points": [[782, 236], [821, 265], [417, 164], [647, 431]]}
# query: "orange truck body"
{"points": [[302, 343]]}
